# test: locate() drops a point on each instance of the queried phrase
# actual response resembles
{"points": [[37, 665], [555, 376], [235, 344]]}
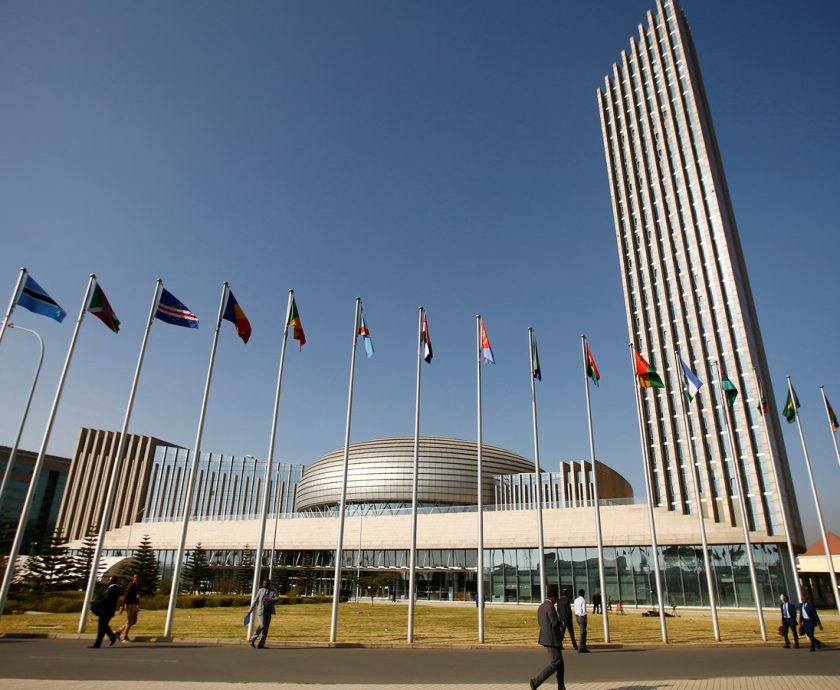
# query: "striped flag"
{"points": [[34, 298], [648, 378], [692, 383], [833, 417], [101, 308], [535, 358], [364, 331], [171, 310], [486, 350], [234, 314], [427, 340], [591, 368], [297, 325]]}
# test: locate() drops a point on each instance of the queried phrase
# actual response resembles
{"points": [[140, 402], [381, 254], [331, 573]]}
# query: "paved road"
{"points": [[71, 660]]}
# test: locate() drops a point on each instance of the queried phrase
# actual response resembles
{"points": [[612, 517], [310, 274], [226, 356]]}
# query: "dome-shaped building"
{"points": [[380, 473]]}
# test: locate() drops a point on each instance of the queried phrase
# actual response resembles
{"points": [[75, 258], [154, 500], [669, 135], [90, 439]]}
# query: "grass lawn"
{"points": [[385, 622]]}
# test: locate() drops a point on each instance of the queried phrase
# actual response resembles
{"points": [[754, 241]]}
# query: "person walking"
{"points": [[789, 621], [596, 602], [551, 637], [131, 606], [104, 609], [264, 605], [580, 614], [564, 613], [810, 619]]}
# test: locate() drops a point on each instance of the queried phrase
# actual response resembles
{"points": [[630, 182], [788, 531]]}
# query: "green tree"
{"points": [[244, 573], [147, 566], [83, 561], [52, 567], [196, 573]]}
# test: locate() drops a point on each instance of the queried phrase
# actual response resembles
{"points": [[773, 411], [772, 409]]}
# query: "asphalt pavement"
{"points": [[176, 664]]}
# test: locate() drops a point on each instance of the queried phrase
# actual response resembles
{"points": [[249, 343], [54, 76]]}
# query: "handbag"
{"points": [[782, 630], [801, 629], [247, 618]]}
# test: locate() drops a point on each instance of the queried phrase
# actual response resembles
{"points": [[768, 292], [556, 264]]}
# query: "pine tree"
{"points": [[196, 574], [244, 573], [84, 559], [147, 566], [52, 567]]}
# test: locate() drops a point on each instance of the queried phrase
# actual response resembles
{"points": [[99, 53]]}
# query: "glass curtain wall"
{"points": [[512, 575]]}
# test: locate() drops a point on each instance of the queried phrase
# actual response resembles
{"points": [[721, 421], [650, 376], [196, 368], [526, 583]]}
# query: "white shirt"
{"points": [[804, 614], [789, 611], [580, 606]]}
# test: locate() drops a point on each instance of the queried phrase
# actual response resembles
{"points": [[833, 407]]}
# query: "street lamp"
{"points": [[13, 452]]}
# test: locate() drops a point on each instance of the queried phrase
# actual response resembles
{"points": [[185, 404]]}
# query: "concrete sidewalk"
{"points": [[746, 683]]}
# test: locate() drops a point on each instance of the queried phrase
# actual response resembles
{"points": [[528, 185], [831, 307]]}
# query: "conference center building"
{"points": [[723, 465], [303, 515]]}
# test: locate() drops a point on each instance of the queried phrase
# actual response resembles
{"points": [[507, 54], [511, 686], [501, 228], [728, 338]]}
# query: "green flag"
{"points": [[729, 391], [101, 308], [791, 406]]}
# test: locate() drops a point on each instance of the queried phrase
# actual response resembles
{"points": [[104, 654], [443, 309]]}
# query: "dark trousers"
{"points": [[790, 624], [582, 624], [567, 626], [103, 629], [809, 629], [555, 665], [264, 623]]}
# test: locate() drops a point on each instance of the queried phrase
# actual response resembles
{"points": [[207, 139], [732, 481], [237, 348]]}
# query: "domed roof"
{"points": [[381, 471]]}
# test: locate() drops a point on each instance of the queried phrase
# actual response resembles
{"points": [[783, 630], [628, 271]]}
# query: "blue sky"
{"points": [[439, 153]]}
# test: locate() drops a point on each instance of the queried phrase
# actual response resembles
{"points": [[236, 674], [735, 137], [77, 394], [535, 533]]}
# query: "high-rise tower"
{"points": [[685, 282]]}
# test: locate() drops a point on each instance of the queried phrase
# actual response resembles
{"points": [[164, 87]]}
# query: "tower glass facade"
{"points": [[685, 283]]}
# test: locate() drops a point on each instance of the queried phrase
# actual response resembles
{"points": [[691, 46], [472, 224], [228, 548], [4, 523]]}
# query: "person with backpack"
{"points": [[104, 609]]}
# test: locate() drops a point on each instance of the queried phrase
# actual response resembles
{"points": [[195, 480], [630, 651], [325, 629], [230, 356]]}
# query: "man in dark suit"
{"points": [[104, 608], [810, 619], [789, 621], [551, 635], [564, 613]]}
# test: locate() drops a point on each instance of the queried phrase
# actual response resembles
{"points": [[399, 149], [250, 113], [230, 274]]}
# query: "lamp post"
{"points": [[13, 452]]}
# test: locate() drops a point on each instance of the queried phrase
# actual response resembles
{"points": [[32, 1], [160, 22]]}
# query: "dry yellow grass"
{"points": [[385, 623]]}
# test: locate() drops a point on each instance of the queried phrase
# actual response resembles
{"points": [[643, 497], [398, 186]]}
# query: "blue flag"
{"points": [[174, 312], [692, 383], [364, 331], [34, 298]]}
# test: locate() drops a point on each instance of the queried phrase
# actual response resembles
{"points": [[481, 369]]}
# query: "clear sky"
{"points": [[440, 153]]}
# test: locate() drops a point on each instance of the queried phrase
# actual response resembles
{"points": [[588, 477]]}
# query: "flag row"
{"points": [[171, 310]]}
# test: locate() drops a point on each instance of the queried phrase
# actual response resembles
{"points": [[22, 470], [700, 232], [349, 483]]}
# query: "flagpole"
{"points": [[340, 541], [598, 533], [13, 302], [479, 498], [412, 561], [13, 452], [827, 414], [276, 519], [116, 463], [782, 503], [191, 478], [537, 476], [742, 500], [39, 462], [828, 555], [710, 585], [649, 489], [269, 461]]}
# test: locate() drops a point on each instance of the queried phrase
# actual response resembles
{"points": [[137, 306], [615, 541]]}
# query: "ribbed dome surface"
{"points": [[381, 471]]}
